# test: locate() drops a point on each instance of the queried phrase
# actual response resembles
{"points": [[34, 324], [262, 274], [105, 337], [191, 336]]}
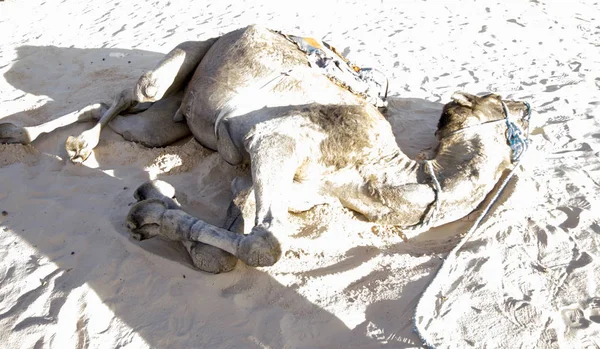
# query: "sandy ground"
{"points": [[70, 276]]}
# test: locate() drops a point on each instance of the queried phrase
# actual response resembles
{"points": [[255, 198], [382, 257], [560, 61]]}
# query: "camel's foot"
{"points": [[80, 148], [150, 218], [260, 248], [145, 220], [153, 217], [156, 190], [10, 133], [77, 149]]}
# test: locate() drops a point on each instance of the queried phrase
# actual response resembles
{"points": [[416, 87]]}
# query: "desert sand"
{"points": [[71, 277]]}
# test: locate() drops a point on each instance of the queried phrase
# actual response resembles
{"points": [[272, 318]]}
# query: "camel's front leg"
{"points": [[275, 155], [205, 257], [154, 217], [274, 159]]}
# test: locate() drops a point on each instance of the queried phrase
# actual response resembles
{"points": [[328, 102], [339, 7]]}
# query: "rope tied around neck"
{"points": [[514, 134]]}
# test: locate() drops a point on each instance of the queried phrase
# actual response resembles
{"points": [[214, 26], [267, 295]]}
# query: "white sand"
{"points": [[70, 276]]}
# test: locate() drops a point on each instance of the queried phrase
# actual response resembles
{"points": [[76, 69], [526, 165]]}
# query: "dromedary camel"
{"points": [[256, 98]]}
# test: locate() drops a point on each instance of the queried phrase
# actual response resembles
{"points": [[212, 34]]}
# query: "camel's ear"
{"points": [[463, 99]]}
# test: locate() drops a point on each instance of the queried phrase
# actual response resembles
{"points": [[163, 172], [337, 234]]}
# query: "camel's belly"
{"points": [[242, 72]]}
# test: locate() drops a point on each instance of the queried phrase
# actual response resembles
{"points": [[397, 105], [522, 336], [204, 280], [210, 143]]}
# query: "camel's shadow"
{"points": [[65, 79]]}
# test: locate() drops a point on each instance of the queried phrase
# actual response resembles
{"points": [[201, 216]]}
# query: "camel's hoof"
{"points": [[155, 189], [77, 149], [212, 259], [10, 133], [144, 219], [260, 248]]}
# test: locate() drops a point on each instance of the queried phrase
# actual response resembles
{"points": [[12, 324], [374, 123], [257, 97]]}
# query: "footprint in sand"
{"points": [[574, 318]]}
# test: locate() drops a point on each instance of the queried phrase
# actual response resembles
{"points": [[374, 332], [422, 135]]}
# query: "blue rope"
{"points": [[515, 139], [514, 135]]}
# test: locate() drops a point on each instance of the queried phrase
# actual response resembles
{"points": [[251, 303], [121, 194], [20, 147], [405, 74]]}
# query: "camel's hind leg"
{"points": [[10, 133], [205, 257], [169, 77]]}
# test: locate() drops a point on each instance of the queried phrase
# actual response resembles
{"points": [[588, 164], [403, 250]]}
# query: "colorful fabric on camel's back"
{"points": [[367, 82]]}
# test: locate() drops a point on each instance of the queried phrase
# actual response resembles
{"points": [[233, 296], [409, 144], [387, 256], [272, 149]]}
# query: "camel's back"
{"points": [[249, 69]]}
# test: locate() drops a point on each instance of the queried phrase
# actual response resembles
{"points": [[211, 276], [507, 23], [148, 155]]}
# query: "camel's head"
{"points": [[468, 111]]}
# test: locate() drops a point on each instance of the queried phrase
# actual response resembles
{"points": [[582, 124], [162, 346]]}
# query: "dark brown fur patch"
{"points": [[347, 128], [455, 115]]}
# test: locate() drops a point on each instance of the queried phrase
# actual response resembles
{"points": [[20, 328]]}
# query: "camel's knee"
{"points": [[146, 89], [260, 248], [172, 72]]}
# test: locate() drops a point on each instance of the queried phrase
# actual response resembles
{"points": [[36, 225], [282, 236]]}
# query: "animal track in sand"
{"points": [[577, 318], [574, 318]]}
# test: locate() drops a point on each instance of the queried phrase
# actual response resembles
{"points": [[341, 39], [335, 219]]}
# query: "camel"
{"points": [[253, 96]]}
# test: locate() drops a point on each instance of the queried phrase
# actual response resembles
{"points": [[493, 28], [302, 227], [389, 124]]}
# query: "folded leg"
{"points": [[153, 217], [205, 257]]}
